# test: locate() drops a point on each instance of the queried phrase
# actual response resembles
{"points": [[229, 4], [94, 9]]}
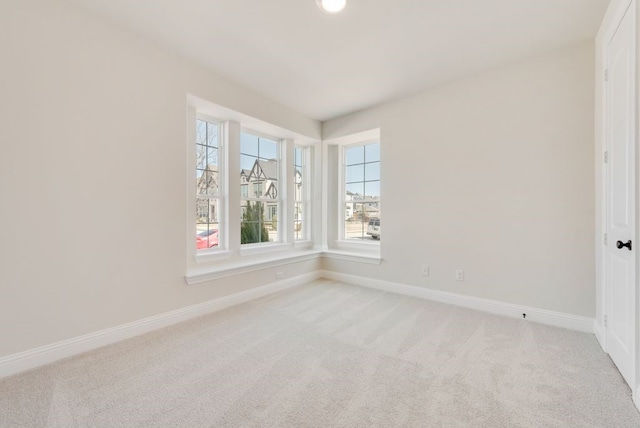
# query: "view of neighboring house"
{"points": [[360, 207], [258, 182], [261, 182], [207, 184]]}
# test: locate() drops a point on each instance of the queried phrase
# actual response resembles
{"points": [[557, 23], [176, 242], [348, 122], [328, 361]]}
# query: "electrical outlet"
{"points": [[459, 275], [279, 275], [425, 270]]}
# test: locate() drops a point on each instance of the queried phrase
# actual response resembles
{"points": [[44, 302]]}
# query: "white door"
{"points": [[621, 247]]}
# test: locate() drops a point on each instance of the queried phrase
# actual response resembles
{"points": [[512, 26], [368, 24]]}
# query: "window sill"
{"points": [[250, 264], [253, 249], [302, 245], [354, 256], [359, 246]]}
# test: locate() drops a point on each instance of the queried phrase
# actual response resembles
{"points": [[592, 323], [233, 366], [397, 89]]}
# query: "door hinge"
{"points": [[605, 239], [605, 156], [605, 320], [606, 75]]}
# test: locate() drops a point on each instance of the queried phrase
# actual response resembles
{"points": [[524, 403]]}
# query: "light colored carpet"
{"points": [[331, 355]]}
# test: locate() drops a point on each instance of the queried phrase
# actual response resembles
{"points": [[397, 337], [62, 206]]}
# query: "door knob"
{"points": [[619, 244]]}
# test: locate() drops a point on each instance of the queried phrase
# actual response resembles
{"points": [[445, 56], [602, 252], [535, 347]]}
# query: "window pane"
{"points": [[207, 238], [355, 173], [268, 170], [355, 191], [212, 157], [372, 189], [201, 183], [268, 149], [362, 192], [372, 152], [201, 156], [298, 230], [354, 155], [259, 173], [201, 132], [297, 211], [298, 192], [206, 182], [298, 217], [249, 144], [256, 189], [348, 210], [212, 134], [252, 232], [247, 163], [259, 222], [211, 183], [297, 155], [207, 223], [372, 171], [354, 225]]}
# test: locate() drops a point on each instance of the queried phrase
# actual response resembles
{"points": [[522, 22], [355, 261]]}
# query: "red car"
{"points": [[207, 239]]}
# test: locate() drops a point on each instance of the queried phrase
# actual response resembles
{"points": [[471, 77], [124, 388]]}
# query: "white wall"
{"points": [[494, 175], [93, 174]]}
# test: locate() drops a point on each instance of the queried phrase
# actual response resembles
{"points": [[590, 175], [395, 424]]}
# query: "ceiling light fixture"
{"points": [[331, 6]]}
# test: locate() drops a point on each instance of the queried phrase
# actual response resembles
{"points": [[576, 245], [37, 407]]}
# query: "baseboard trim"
{"points": [[542, 316], [600, 333], [30, 359]]}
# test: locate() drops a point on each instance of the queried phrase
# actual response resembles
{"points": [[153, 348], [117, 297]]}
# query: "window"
{"points": [[241, 199], [260, 164], [300, 194], [208, 184], [361, 191]]}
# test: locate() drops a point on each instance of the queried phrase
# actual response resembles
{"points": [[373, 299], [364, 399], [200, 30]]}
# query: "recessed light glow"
{"points": [[332, 6]]}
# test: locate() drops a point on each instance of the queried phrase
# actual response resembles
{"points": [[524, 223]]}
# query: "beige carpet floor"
{"points": [[331, 355]]}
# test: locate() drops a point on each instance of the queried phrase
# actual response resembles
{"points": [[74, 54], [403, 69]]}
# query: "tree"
{"points": [[252, 229]]}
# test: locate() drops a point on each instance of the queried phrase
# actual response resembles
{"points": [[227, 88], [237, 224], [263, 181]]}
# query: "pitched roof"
{"points": [[268, 167]]}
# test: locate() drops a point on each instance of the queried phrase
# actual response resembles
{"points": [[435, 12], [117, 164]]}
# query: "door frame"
{"points": [[615, 13]]}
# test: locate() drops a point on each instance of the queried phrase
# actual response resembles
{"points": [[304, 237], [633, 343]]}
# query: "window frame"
{"points": [[231, 257], [222, 186], [342, 240], [280, 200], [305, 194]]}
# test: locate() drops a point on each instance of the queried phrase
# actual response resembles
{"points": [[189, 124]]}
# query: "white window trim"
{"points": [[233, 258], [330, 240], [222, 197], [281, 202], [342, 242]]}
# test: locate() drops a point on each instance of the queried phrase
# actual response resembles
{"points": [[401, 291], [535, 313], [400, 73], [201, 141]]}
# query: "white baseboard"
{"points": [[36, 357], [542, 316], [600, 333]]}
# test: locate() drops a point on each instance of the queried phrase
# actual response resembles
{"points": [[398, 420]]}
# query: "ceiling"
{"points": [[326, 65]]}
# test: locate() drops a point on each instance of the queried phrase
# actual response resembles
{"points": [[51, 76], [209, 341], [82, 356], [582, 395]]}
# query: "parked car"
{"points": [[373, 228], [207, 239]]}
